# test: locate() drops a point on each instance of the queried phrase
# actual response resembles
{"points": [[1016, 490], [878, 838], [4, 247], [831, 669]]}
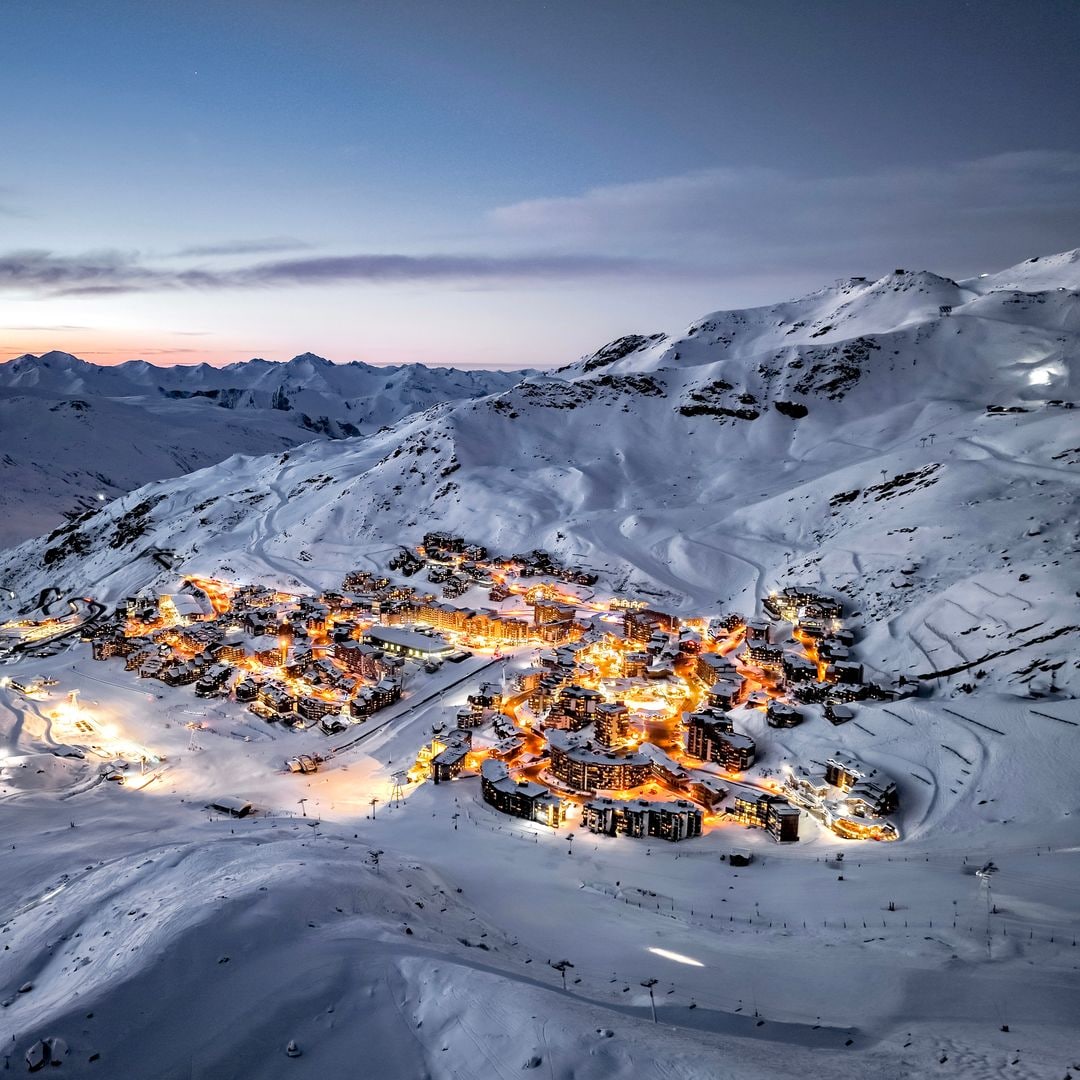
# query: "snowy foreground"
{"points": [[176, 942]]}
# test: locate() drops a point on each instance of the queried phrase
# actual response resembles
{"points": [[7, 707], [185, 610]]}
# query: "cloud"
{"points": [[52, 329], [272, 245], [111, 272], [741, 219]]}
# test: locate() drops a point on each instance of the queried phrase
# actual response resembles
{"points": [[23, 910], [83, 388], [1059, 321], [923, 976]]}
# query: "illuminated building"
{"points": [[642, 624], [231, 647], [370, 699], [554, 621], [793, 601], [757, 630], [275, 699], [727, 693], [315, 708], [709, 737], [778, 714], [585, 768], [612, 723], [798, 668], [448, 763], [575, 708], [838, 714], [725, 625], [770, 812], [667, 820], [213, 679], [712, 667], [407, 642], [527, 800], [845, 671], [868, 789], [764, 655], [247, 689]]}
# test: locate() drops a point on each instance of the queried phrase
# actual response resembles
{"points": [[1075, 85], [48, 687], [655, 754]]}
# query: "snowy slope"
{"points": [[70, 429], [704, 470]]}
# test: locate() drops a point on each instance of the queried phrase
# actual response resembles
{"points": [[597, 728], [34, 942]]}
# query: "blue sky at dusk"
{"points": [[507, 184]]}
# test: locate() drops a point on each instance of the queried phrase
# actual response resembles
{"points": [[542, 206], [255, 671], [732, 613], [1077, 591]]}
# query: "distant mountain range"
{"points": [[71, 430], [908, 441]]}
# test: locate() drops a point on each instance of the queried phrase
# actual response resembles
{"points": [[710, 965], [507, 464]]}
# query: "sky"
{"points": [[507, 184]]}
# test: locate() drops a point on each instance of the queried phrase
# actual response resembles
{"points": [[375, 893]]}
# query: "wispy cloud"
{"points": [[739, 218], [110, 272], [271, 245], [55, 328]]}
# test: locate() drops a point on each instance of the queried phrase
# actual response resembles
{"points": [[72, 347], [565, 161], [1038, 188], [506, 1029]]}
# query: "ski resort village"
{"points": [[549, 704]]}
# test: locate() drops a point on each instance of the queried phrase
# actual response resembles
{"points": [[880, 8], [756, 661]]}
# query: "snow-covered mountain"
{"points": [[70, 430], [908, 441]]}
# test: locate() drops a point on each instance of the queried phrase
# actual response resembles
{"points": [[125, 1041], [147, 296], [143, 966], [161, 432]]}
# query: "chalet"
{"points": [[259, 623], [791, 602], [757, 630], [831, 649], [105, 648], [672, 821], [487, 696], [230, 648], [815, 691], [798, 668], [780, 715], [705, 790], [370, 699], [275, 700], [186, 607], [844, 692], [247, 689], [527, 800], [212, 681], [508, 748], [725, 625], [634, 665], [838, 714]]}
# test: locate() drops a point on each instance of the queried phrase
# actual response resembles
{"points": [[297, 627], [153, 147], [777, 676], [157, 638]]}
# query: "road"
{"points": [[414, 707]]}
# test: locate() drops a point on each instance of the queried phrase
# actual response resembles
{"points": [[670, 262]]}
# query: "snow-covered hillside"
{"points": [[907, 441], [70, 430]]}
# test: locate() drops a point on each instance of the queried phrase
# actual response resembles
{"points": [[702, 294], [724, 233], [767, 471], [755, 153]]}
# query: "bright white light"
{"points": [[677, 957], [100, 496], [1041, 376]]}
